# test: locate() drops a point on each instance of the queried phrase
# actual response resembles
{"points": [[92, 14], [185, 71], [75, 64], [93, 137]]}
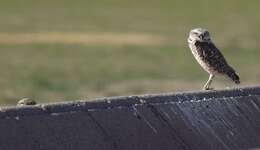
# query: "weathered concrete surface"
{"points": [[216, 120]]}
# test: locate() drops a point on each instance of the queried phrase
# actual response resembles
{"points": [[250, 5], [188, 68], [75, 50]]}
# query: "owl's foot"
{"points": [[207, 85], [207, 88]]}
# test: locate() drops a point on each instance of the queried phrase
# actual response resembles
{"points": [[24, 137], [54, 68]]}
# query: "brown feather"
{"points": [[213, 58]]}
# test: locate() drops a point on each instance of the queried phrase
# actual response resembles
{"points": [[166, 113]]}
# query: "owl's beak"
{"points": [[201, 37]]}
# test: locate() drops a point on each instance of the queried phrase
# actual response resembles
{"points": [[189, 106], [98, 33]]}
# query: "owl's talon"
{"points": [[208, 88]]}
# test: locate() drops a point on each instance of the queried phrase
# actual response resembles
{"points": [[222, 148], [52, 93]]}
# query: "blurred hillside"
{"points": [[63, 49]]}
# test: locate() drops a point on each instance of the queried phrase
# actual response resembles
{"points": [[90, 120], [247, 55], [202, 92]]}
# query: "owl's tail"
{"points": [[232, 75]]}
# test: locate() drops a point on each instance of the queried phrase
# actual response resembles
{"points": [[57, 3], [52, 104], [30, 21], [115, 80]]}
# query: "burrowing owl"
{"points": [[209, 57]]}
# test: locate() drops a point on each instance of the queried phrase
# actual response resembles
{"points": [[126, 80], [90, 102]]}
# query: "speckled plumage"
{"points": [[209, 56]]}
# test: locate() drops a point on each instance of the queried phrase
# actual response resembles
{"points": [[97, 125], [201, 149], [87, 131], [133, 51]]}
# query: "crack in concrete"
{"points": [[173, 132], [105, 133]]}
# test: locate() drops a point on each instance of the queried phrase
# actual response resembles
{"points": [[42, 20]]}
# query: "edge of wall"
{"points": [[126, 101]]}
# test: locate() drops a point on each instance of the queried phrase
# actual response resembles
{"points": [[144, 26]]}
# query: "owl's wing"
{"points": [[211, 55]]}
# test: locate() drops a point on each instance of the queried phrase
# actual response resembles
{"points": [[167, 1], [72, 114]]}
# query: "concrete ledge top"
{"points": [[126, 101]]}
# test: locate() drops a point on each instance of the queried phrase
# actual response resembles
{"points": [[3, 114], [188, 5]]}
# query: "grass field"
{"points": [[64, 50]]}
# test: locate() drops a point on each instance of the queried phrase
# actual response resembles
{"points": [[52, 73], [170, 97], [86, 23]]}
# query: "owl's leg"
{"points": [[207, 85]]}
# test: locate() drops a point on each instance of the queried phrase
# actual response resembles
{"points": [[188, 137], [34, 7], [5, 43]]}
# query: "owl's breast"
{"points": [[202, 58]]}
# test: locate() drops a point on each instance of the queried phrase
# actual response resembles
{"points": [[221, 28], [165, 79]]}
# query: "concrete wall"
{"points": [[217, 120]]}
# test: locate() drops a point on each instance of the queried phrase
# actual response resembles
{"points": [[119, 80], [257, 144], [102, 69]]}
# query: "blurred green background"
{"points": [[56, 50]]}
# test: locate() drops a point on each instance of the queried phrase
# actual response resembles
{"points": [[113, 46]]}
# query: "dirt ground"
{"points": [[83, 38]]}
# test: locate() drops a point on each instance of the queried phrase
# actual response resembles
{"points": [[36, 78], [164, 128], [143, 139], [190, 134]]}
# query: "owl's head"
{"points": [[199, 34]]}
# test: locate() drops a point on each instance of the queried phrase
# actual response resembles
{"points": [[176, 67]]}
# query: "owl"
{"points": [[209, 56]]}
